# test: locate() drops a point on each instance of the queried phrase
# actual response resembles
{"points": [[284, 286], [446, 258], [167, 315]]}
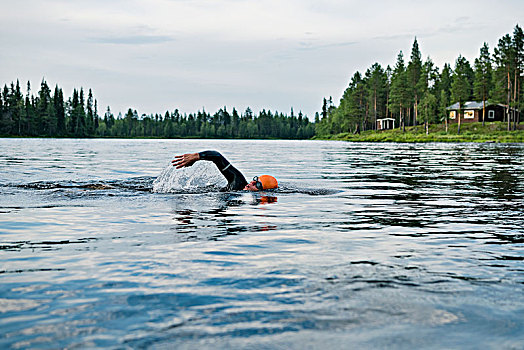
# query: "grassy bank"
{"points": [[469, 132]]}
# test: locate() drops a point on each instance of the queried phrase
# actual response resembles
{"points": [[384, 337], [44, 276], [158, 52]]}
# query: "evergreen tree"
{"points": [[6, 120], [46, 121], [90, 117], [461, 85], [97, 119], [235, 121], [324, 108], [483, 74], [18, 110], [58, 101], [427, 87], [446, 78], [130, 119], [376, 82], [504, 60], [399, 95], [429, 78], [389, 73], [248, 114], [360, 110], [109, 119], [518, 44], [414, 71], [350, 111], [1, 108], [73, 117], [28, 112], [81, 115]]}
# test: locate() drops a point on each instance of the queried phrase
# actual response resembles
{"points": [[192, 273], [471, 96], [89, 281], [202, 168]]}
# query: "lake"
{"points": [[363, 246]]}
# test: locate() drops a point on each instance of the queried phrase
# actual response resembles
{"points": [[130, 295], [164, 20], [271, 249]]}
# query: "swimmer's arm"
{"points": [[185, 160], [235, 179], [215, 157], [189, 159]]}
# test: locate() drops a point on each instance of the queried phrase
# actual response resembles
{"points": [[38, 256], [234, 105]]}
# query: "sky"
{"points": [[157, 55]]}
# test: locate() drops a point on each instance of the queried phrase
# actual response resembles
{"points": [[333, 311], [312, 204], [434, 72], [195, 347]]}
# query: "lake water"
{"points": [[364, 246]]}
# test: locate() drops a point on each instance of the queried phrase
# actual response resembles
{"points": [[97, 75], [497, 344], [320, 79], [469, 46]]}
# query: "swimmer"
{"points": [[235, 180]]}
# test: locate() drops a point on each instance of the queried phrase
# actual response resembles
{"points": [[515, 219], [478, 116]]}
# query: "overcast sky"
{"points": [[158, 55]]}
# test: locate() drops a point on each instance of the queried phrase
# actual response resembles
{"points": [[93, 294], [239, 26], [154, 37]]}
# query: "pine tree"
{"points": [[483, 74], [129, 120], [1, 107], [324, 108], [350, 112], [429, 78], [414, 71], [46, 123], [504, 60], [6, 120], [427, 87], [399, 94], [90, 116], [28, 111], [58, 101], [109, 119], [73, 124], [518, 44], [461, 85], [446, 78], [235, 121], [388, 74], [81, 115], [358, 103], [18, 110], [376, 82], [97, 119]]}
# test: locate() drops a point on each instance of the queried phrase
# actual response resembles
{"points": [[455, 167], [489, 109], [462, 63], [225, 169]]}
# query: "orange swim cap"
{"points": [[268, 181]]}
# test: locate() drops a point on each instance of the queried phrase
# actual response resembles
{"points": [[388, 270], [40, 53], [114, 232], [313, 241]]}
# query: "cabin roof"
{"points": [[475, 105], [468, 105]]}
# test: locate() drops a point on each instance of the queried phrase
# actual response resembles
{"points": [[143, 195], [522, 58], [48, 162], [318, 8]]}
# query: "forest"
{"points": [[48, 114], [413, 92], [418, 92]]}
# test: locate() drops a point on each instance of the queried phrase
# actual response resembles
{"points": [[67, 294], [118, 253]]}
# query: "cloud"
{"points": [[133, 39]]}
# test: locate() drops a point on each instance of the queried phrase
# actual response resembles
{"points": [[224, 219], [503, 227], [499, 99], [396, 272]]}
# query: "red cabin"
{"points": [[472, 112]]}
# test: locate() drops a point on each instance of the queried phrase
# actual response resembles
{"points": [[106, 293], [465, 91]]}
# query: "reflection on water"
{"points": [[373, 245]]}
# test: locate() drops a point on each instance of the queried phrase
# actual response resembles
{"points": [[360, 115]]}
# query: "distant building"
{"points": [[472, 112], [385, 123]]}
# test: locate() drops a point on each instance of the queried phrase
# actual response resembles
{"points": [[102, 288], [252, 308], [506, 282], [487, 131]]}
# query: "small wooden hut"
{"points": [[385, 123]]}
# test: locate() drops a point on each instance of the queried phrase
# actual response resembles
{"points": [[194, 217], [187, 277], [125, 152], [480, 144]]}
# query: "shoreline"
{"points": [[494, 132]]}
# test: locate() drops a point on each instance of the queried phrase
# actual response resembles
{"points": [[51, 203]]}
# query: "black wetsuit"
{"points": [[235, 180]]}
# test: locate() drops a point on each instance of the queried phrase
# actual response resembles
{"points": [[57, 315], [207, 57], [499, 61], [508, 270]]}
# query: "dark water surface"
{"points": [[365, 246]]}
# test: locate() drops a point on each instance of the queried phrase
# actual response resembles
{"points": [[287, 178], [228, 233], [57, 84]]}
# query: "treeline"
{"points": [[47, 114], [418, 92]]}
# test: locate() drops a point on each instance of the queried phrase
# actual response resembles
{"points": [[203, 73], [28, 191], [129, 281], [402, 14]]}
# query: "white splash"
{"points": [[200, 175]]}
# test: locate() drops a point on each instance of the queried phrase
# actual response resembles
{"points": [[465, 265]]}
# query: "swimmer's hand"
{"points": [[185, 160]]}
